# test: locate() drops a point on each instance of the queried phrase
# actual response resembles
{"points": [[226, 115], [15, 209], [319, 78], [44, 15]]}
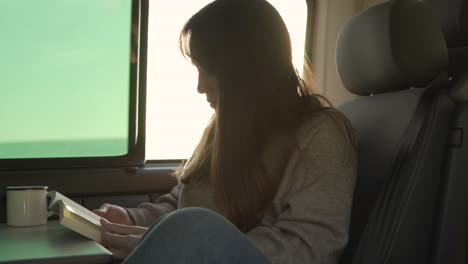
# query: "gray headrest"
{"points": [[453, 16], [391, 46]]}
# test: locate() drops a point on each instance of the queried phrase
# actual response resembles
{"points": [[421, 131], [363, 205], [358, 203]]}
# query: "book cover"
{"points": [[74, 216]]}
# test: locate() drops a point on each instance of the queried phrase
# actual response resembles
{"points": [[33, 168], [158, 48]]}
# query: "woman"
{"points": [[274, 170]]}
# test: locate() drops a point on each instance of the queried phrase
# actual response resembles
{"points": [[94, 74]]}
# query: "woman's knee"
{"points": [[196, 234], [190, 228]]}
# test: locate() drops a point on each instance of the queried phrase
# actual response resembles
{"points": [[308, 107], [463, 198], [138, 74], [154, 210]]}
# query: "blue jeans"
{"points": [[195, 235]]}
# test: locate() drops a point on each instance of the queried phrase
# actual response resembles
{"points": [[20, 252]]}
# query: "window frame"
{"points": [[311, 4], [137, 116]]}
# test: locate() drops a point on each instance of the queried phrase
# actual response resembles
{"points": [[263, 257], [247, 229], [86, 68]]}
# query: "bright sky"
{"points": [[176, 113]]}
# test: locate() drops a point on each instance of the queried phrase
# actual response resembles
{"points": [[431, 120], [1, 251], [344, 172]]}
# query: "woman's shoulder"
{"points": [[327, 134]]}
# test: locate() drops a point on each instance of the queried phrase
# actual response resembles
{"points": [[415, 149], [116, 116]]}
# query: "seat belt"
{"points": [[376, 243]]}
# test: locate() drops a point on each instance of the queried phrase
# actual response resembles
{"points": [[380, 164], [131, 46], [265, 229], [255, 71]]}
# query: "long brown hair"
{"points": [[246, 45]]}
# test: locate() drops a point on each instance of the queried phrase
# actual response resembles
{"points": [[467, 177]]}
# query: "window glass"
{"points": [[176, 113], [64, 78]]}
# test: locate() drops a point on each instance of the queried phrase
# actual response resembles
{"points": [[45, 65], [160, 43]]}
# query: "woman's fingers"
{"points": [[122, 229], [121, 242]]}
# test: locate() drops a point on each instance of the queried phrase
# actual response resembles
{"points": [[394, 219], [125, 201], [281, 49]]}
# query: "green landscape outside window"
{"points": [[64, 78]]}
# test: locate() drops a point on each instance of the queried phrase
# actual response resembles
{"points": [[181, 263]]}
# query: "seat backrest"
{"points": [[382, 54], [452, 231], [452, 16]]}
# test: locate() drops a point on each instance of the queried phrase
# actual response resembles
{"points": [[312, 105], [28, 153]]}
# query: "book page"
{"points": [[74, 207], [79, 224]]}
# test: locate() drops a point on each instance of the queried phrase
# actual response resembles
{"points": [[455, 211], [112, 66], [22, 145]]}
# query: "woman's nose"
{"points": [[201, 86]]}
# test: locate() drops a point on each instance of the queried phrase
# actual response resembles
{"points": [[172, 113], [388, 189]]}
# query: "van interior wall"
{"points": [[329, 17]]}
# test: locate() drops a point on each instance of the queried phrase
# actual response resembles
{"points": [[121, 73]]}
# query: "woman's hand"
{"points": [[119, 239], [114, 214]]}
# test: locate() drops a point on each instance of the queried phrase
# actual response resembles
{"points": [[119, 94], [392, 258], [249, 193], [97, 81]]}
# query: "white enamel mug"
{"points": [[26, 205]]}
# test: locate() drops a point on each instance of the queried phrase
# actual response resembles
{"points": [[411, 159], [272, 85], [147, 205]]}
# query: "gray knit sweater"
{"points": [[308, 220]]}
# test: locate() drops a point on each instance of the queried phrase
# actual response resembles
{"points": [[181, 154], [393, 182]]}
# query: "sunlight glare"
{"points": [[176, 114]]}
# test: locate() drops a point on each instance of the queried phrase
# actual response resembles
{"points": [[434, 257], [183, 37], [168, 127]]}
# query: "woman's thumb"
{"points": [[103, 210]]}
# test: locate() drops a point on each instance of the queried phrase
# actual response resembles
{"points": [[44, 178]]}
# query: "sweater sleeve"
{"points": [[147, 213], [312, 217]]}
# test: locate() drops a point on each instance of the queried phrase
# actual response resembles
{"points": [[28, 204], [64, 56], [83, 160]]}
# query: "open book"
{"points": [[75, 216]]}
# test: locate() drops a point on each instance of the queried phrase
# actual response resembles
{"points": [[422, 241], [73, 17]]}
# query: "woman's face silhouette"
{"points": [[208, 84]]}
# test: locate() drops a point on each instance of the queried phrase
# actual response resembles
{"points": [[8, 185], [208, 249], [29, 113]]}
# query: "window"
{"points": [[69, 93], [67, 88], [176, 113]]}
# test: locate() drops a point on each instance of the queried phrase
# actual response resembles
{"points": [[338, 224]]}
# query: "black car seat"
{"points": [[394, 55], [452, 238]]}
